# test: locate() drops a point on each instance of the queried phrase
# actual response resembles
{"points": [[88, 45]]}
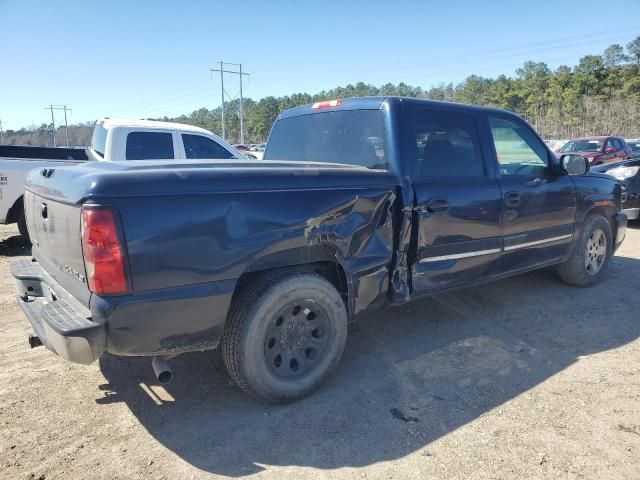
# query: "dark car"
{"points": [[598, 150], [358, 203], [626, 172], [634, 145]]}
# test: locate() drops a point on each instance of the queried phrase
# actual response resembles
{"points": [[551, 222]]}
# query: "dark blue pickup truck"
{"points": [[358, 203]]}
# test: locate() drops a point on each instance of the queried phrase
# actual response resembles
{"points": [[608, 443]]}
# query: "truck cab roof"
{"points": [[376, 102], [108, 123]]}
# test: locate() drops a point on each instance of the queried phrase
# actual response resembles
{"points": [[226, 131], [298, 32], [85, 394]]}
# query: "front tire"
{"points": [[284, 335], [591, 255]]}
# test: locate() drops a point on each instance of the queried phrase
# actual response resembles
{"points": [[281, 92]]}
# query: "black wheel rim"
{"points": [[297, 339]]}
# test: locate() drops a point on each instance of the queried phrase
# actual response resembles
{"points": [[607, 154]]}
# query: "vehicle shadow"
{"points": [[14, 246], [409, 375]]}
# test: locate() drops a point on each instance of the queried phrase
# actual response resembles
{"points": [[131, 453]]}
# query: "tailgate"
{"points": [[54, 228]]}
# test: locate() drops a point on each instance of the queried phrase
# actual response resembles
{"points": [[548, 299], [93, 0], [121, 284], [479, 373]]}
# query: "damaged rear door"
{"points": [[458, 207]]}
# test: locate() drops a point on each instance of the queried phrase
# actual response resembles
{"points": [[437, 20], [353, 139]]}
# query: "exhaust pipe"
{"points": [[34, 341], [161, 368]]}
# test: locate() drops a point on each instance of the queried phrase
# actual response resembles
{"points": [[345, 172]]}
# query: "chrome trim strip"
{"points": [[537, 242], [456, 256]]}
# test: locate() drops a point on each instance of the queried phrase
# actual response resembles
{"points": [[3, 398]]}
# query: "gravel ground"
{"points": [[522, 378]]}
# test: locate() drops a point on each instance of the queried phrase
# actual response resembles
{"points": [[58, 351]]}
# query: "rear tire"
{"points": [[591, 255], [22, 224], [284, 335]]}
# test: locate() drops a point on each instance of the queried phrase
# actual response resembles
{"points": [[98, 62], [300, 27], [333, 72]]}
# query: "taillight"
{"points": [[327, 104], [104, 257]]}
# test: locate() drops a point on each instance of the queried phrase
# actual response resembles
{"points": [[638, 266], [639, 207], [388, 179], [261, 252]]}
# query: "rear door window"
{"points": [[197, 146], [149, 146], [447, 145]]}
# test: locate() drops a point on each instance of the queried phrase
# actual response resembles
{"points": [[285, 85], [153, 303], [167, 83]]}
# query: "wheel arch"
{"points": [[323, 260], [608, 211], [14, 210]]}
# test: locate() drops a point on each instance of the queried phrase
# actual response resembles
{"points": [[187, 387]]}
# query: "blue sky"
{"points": [[137, 59]]}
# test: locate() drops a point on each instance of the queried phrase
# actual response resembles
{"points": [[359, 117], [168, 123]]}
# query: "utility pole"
{"points": [[241, 109], [222, 91], [240, 73], [53, 126], [66, 125], [53, 122]]}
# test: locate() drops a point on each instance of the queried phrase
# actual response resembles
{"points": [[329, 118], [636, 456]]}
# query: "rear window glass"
{"points": [[99, 139], [353, 137], [149, 146], [197, 146], [582, 146]]}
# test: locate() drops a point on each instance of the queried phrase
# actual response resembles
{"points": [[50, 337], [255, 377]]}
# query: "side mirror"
{"points": [[575, 164], [609, 150]]}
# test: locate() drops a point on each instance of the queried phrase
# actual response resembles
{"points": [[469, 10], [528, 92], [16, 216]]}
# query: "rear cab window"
{"points": [[149, 146], [352, 137], [99, 140]]}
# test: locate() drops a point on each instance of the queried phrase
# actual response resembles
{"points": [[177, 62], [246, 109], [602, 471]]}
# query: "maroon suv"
{"points": [[598, 150]]}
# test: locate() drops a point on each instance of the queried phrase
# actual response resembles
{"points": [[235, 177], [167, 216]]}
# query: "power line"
{"points": [[186, 91], [240, 74], [53, 122], [158, 106], [523, 49]]}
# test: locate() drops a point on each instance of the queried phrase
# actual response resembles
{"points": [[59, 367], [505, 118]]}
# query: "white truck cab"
{"points": [[115, 140]]}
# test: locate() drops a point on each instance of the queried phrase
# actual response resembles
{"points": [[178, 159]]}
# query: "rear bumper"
{"points": [[621, 229], [63, 325], [160, 322]]}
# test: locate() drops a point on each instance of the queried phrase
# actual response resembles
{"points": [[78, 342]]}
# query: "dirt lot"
{"points": [[523, 378]]}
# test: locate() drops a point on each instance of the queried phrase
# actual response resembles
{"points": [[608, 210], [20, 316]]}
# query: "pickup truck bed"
{"points": [[358, 203], [43, 153], [282, 222]]}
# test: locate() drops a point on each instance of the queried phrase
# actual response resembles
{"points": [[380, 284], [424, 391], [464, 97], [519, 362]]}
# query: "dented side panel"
{"points": [[191, 240], [195, 248]]}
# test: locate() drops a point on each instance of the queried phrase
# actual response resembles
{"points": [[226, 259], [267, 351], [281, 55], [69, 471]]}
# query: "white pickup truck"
{"points": [[113, 140]]}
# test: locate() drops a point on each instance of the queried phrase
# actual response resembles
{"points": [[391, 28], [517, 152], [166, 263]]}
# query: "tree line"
{"points": [[599, 95]]}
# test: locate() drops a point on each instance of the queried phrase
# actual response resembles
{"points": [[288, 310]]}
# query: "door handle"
{"points": [[512, 199], [536, 181], [439, 205]]}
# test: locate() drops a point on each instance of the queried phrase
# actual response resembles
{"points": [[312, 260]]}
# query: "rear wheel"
{"points": [[591, 255], [284, 335]]}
